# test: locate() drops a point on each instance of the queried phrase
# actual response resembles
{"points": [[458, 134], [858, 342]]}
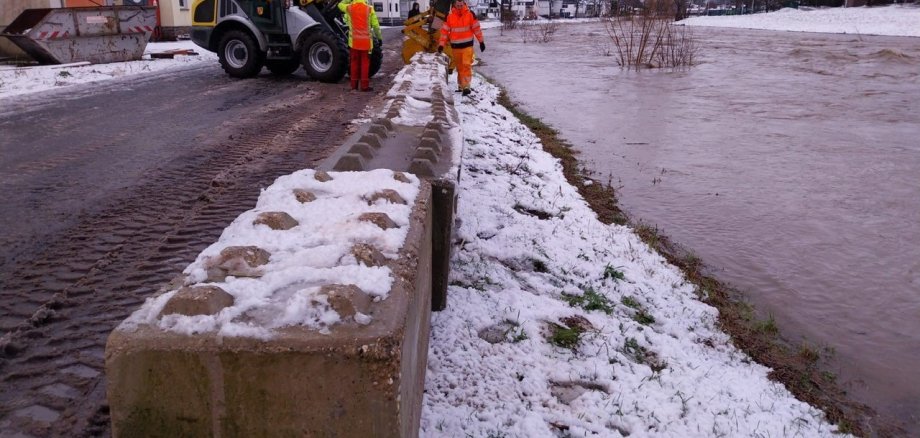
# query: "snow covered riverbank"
{"points": [[895, 20], [558, 323]]}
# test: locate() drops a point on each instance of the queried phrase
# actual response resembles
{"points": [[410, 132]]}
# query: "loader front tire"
{"points": [[239, 54], [324, 57]]}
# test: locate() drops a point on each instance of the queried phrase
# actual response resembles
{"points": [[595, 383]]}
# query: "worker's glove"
{"points": [[482, 47], [440, 49]]}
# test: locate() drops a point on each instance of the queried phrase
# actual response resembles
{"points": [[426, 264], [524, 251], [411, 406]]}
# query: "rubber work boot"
{"points": [[368, 89], [467, 91]]}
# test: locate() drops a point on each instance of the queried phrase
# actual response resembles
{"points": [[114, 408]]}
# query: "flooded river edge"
{"points": [[785, 161]]}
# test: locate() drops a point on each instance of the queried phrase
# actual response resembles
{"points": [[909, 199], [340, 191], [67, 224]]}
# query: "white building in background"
{"points": [[395, 12]]}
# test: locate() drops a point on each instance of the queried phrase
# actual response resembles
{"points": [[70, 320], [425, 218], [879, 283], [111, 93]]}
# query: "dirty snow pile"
{"points": [[314, 252], [896, 20], [24, 80], [559, 325]]}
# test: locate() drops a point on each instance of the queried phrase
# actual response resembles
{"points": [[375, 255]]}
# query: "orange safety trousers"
{"points": [[463, 59]]}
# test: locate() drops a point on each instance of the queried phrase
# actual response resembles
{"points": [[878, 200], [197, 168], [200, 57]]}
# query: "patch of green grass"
{"points": [[613, 273], [809, 354], [520, 336], [630, 302], [642, 317], [590, 300], [767, 326], [641, 355], [565, 337]]}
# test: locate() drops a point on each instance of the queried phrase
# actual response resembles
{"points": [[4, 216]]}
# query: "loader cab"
{"points": [[267, 15]]}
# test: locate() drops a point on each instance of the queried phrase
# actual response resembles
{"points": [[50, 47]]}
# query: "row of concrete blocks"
{"points": [[427, 153]]}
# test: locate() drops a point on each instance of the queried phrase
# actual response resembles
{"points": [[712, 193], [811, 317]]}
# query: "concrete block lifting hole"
{"points": [[355, 381]]}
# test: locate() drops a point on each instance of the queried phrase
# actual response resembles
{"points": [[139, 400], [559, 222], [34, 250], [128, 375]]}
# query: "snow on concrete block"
{"points": [[197, 300], [389, 195], [304, 196], [319, 346], [379, 219], [237, 261], [276, 220], [350, 162]]}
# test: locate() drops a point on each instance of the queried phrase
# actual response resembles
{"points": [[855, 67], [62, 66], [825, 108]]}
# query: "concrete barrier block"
{"points": [[401, 177], [385, 122], [389, 195], [363, 149], [371, 139], [304, 196], [379, 219], [368, 255], [349, 162], [432, 134], [322, 176], [197, 300], [276, 220], [364, 377], [430, 144], [378, 130], [426, 154], [421, 168], [237, 261]]}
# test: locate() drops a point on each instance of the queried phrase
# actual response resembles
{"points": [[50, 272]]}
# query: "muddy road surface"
{"points": [[110, 190]]}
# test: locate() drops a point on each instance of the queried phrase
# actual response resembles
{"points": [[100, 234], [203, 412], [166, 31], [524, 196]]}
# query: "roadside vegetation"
{"points": [[649, 39], [797, 365]]}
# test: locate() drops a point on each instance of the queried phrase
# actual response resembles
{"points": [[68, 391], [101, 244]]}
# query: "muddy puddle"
{"points": [[789, 162]]}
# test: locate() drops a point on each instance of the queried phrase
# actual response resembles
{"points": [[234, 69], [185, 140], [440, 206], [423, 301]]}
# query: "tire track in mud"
{"points": [[59, 307]]}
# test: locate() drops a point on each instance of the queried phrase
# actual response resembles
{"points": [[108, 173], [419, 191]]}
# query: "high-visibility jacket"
{"points": [[460, 28], [360, 19]]}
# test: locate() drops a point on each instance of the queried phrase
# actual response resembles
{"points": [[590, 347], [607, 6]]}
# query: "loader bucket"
{"points": [[97, 35]]}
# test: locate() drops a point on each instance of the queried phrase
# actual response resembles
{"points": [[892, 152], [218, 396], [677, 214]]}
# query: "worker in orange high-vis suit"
{"points": [[460, 28], [360, 19]]}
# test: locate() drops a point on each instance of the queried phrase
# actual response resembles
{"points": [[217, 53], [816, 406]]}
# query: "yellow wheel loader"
{"points": [[282, 35], [424, 30]]}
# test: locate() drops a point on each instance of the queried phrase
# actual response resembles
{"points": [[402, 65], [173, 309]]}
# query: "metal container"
{"points": [[97, 35]]}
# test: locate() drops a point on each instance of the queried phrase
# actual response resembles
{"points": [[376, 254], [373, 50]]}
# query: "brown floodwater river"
{"points": [[788, 162]]}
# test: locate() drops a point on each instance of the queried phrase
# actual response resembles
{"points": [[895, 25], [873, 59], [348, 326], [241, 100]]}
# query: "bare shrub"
{"points": [[603, 47], [651, 41], [547, 30], [538, 32], [510, 20]]}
